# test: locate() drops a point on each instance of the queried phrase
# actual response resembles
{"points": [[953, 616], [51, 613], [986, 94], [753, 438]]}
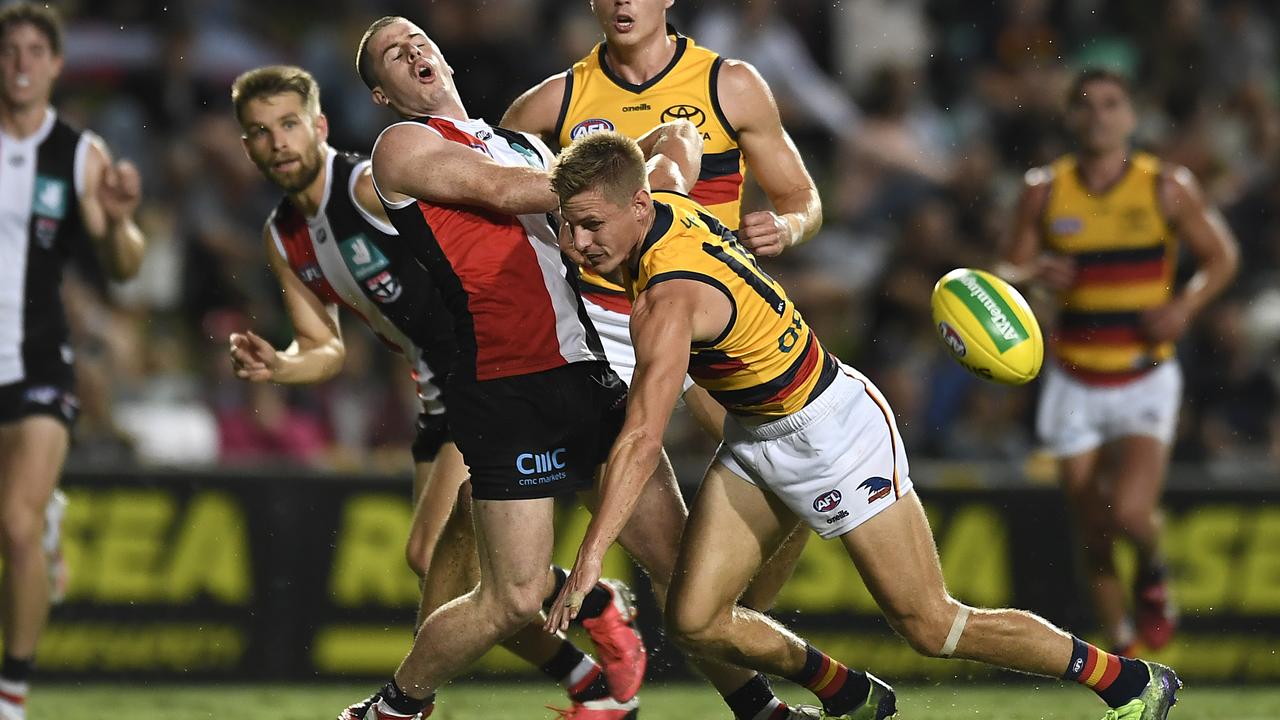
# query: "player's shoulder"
{"points": [[537, 108], [680, 203], [738, 76]]}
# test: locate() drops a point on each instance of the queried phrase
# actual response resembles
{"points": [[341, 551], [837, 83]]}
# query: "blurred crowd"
{"points": [[917, 118]]}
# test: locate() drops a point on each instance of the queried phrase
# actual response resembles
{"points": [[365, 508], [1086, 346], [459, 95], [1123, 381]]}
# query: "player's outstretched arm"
{"points": [[317, 352], [1206, 234], [772, 157], [662, 327], [537, 110], [1021, 259], [411, 160], [673, 153], [112, 191]]}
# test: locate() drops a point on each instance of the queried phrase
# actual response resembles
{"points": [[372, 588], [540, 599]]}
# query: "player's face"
{"points": [[28, 66], [603, 232], [627, 22], [284, 140], [1102, 118], [412, 74]]}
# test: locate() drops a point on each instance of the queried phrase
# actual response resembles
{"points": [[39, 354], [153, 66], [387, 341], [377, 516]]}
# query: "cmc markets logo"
{"points": [[827, 501], [547, 461], [952, 339], [692, 113], [588, 126]]}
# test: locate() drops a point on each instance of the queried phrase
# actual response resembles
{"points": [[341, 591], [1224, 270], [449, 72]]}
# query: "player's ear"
{"points": [[379, 98], [322, 127], [640, 203], [667, 5]]}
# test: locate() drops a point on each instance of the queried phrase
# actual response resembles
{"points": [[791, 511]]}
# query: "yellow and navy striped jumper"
{"points": [[595, 98], [768, 361], [1125, 257]]}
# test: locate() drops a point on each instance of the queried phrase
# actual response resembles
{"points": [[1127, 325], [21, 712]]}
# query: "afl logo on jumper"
{"points": [[588, 126], [692, 113]]}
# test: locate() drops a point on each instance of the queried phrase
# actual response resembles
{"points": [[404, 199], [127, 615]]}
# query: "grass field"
{"points": [[680, 702]]}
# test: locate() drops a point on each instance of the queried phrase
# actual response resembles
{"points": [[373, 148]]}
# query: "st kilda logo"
{"points": [[692, 113]]}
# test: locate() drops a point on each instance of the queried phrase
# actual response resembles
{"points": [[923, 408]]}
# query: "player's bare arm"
{"points": [[412, 161], [773, 158], [666, 318], [1022, 259], [112, 191], [674, 155], [1204, 231], [536, 111], [317, 352], [367, 196]]}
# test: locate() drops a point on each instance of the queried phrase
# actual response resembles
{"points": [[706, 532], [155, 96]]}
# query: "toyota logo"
{"points": [[692, 113]]}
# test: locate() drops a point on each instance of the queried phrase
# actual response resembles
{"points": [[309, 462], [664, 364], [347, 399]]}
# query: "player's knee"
{"points": [[419, 559], [517, 605], [926, 627], [1133, 519], [690, 624], [20, 529]]}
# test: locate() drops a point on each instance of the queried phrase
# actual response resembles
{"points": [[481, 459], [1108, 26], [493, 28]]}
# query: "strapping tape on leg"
{"points": [[957, 629]]}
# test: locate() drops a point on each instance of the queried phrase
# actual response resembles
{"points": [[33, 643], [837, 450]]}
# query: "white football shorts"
{"points": [[836, 463], [1075, 417]]}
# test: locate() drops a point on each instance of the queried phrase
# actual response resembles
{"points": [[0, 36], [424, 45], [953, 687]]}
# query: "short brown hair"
{"points": [[1096, 74], [607, 160], [273, 80], [41, 17], [364, 65]]}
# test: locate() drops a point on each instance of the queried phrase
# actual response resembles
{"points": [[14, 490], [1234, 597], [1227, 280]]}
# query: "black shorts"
{"points": [[433, 433], [51, 391], [537, 435]]}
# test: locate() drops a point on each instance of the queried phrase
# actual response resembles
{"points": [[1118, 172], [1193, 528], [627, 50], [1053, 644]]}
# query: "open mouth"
{"points": [[623, 23], [22, 80], [424, 71], [287, 165]]}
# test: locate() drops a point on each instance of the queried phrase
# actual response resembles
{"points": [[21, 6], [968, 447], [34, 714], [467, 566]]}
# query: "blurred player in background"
{"points": [[1101, 228], [807, 440], [534, 406], [329, 244], [646, 73], [58, 188]]}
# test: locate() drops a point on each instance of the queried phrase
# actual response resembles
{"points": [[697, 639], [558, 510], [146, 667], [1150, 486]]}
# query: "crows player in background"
{"points": [[1101, 227], [807, 438], [329, 244], [59, 188], [645, 73]]}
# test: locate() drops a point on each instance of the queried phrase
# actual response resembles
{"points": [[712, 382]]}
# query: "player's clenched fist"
{"points": [[253, 358], [766, 234]]}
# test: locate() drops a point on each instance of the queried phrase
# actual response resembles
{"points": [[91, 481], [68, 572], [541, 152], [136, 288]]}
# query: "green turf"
{"points": [[474, 701]]}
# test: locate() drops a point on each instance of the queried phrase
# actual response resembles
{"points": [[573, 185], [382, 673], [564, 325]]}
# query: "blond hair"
{"points": [[273, 80], [606, 161]]}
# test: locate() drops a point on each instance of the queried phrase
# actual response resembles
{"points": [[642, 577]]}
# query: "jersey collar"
{"points": [[681, 43], [42, 132], [662, 219]]}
